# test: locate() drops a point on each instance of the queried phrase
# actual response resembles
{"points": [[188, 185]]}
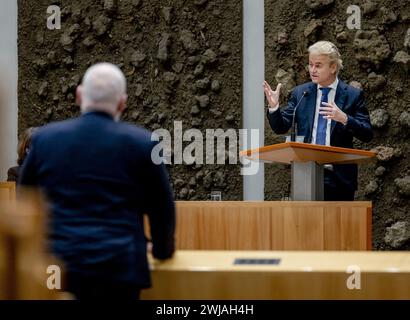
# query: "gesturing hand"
{"points": [[332, 111], [272, 96]]}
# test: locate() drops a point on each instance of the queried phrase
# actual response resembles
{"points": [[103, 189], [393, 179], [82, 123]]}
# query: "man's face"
{"points": [[321, 70]]}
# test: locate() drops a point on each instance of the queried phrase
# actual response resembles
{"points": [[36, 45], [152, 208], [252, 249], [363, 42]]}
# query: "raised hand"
{"points": [[272, 96]]}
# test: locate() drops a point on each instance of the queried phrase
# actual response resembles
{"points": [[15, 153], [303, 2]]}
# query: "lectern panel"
{"points": [[273, 225]]}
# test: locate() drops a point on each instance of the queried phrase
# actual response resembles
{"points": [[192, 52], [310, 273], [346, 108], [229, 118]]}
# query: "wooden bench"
{"points": [[7, 191]]}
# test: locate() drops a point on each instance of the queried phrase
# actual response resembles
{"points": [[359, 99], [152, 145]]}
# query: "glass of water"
{"points": [[216, 196]]}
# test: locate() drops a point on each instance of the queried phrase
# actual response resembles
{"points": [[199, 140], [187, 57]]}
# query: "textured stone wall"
{"points": [[182, 60], [377, 59]]}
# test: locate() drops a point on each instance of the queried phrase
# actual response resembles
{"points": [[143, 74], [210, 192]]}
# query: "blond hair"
{"points": [[329, 49]]}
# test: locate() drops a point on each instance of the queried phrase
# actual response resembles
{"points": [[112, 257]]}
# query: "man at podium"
{"points": [[326, 111]]}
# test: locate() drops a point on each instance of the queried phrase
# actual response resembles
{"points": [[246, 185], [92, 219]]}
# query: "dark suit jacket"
{"points": [[350, 100], [99, 178]]}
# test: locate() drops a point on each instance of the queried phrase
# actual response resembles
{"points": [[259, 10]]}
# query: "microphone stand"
{"points": [[293, 128]]}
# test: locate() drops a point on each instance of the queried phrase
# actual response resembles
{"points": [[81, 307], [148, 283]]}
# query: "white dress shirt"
{"points": [[331, 98]]}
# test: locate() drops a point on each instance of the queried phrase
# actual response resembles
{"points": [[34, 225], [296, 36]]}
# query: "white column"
{"points": [[253, 96], [8, 86]]}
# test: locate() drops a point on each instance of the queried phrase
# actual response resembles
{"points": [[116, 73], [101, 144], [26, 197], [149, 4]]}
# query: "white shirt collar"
{"points": [[333, 85]]}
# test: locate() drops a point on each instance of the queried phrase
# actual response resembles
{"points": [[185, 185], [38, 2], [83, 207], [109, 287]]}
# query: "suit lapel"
{"points": [[310, 106], [340, 99]]}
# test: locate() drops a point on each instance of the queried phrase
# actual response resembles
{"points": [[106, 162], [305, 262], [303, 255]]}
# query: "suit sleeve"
{"points": [[281, 120], [160, 210], [359, 123]]}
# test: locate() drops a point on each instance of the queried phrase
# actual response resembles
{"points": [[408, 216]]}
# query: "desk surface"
{"points": [[300, 275], [276, 204], [312, 261]]}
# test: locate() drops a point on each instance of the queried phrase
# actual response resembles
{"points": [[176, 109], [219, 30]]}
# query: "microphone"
{"points": [[293, 130]]}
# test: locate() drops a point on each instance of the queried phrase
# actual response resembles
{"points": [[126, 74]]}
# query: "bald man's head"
{"points": [[103, 89]]}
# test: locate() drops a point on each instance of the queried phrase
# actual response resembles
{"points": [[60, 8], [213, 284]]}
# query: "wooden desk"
{"points": [[23, 256], [266, 225], [7, 190], [299, 275], [273, 225]]}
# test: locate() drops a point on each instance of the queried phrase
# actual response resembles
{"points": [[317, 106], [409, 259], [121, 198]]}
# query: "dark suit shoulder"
{"points": [[133, 132], [307, 86], [355, 91], [54, 131], [54, 127], [121, 131], [350, 89]]}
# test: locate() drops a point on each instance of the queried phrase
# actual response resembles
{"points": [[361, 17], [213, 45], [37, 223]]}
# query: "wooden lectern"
{"points": [[307, 161]]}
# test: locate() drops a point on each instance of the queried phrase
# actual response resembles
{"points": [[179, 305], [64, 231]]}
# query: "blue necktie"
{"points": [[322, 122]]}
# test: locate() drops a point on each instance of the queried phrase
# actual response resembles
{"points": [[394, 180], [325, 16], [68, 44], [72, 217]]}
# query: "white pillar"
{"points": [[253, 96], [8, 86]]}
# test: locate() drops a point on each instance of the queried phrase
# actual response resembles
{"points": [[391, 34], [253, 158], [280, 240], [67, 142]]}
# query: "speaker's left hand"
{"points": [[333, 112]]}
